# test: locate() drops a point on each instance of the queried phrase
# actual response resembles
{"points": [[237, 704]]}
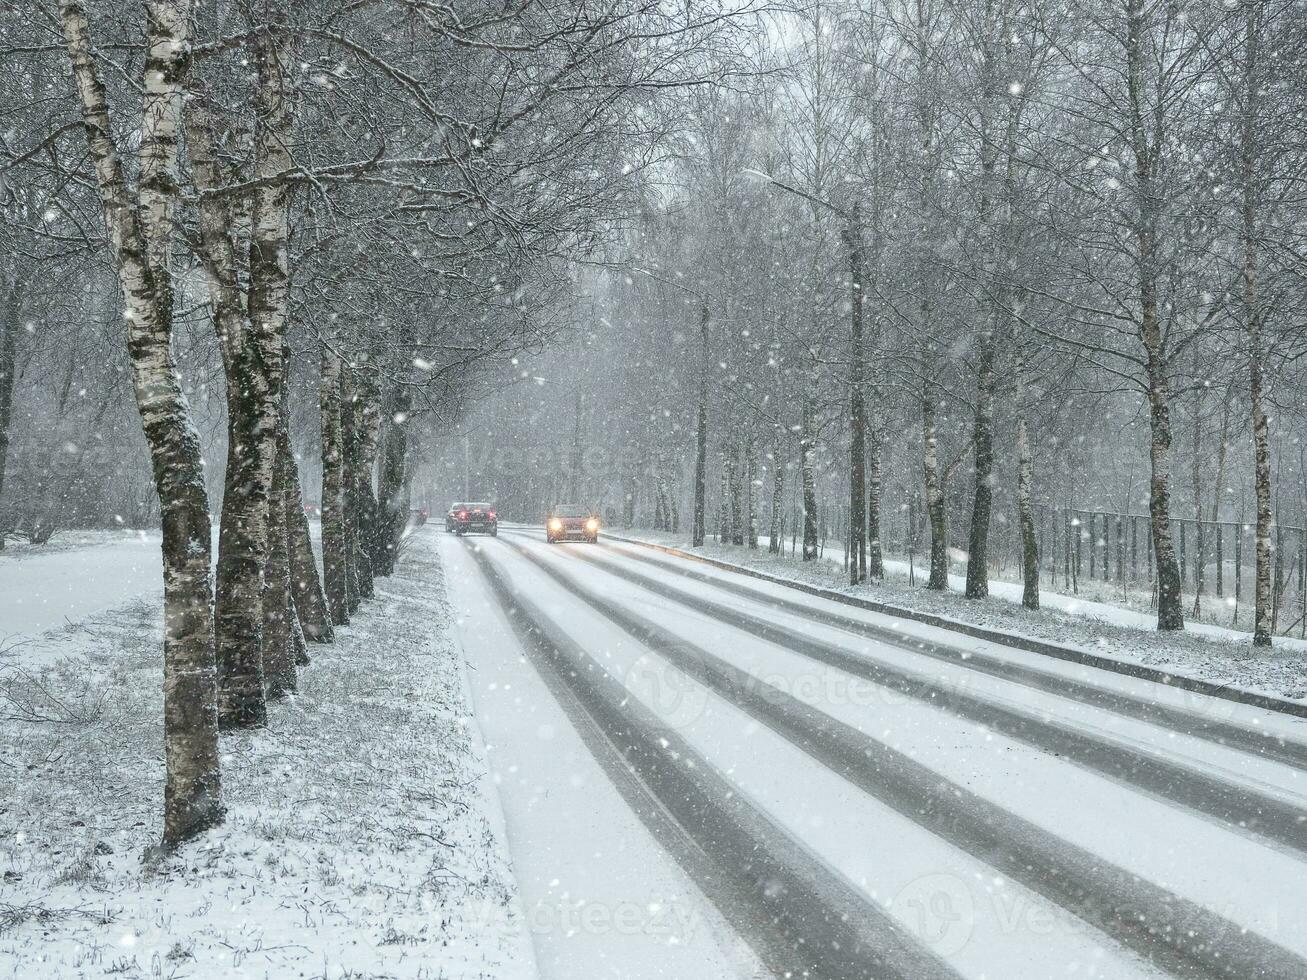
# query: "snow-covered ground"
{"points": [[871, 803], [602, 897], [582, 761], [360, 838], [77, 575], [1215, 653]]}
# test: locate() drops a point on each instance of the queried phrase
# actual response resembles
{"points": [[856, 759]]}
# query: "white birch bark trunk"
{"points": [[267, 298], [808, 475], [1025, 475], [774, 542], [140, 234], [333, 490], [349, 442], [368, 412], [1263, 608], [699, 517], [991, 312], [1170, 614], [243, 532], [934, 490]]}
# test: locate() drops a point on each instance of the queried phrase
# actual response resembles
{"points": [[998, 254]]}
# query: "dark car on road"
{"points": [[451, 515], [473, 517], [572, 522]]}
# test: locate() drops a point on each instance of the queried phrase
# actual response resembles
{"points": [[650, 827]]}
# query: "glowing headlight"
{"points": [[592, 525], [555, 524]]}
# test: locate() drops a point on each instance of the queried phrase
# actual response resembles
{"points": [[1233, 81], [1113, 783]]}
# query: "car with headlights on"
{"points": [[571, 522]]}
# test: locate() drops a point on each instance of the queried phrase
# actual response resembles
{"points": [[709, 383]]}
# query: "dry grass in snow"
{"points": [[358, 840]]}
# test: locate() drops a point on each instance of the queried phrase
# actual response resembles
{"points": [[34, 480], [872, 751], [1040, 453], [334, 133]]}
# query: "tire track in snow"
{"points": [[1233, 807], [1262, 743], [801, 918], [1173, 933]]}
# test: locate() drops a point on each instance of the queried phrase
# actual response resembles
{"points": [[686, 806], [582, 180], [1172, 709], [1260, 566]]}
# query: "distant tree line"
{"points": [[974, 264]]}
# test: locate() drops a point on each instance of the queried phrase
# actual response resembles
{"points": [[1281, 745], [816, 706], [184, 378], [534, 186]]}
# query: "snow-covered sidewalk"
{"points": [[360, 838], [1208, 652]]}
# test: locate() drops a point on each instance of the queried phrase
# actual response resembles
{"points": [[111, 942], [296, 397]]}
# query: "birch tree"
{"points": [[139, 221]]}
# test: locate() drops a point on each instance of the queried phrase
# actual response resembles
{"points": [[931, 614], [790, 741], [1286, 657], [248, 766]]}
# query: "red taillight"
{"points": [[492, 515]]}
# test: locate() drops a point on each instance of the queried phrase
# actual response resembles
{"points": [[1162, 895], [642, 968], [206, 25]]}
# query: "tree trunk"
{"points": [[334, 558], [1253, 327], [751, 493], [1170, 614], [299, 647], [242, 536], [856, 540], [350, 423], [701, 441], [934, 490], [243, 531], [242, 551], [253, 512], [268, 297], [875, 552], [1025, 477], [724, 495], [1196, 476], [140, 235], [1262, 609], [394, 482], [808, 476], [738, 474], [9, 317], [577, 460], [774, 531], [1222, 454], [283, 590], [977, 586], [306, 585], [368, 412], [992, 232], [278, 604]]}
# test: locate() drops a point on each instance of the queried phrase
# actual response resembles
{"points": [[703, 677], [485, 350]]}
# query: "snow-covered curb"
{"points": [[1201, 663], [360, 839]]}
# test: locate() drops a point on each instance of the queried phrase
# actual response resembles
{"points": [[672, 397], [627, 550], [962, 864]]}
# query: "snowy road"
{"points": [[764, 782]]}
